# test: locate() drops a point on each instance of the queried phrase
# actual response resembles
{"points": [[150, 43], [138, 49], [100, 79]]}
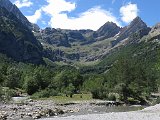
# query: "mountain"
{"points": [[108, 30], [87, 45], [111, 63], [136, 25], [16, 39], [70, 46], [63, 37], [14, 10]]}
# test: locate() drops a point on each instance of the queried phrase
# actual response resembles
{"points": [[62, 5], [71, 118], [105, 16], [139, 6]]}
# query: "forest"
{"points": [[129, 75]]}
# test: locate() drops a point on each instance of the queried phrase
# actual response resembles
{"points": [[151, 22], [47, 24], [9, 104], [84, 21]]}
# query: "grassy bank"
{"points": [[65, 99]]}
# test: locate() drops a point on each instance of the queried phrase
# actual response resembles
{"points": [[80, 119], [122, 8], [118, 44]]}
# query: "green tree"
{"points": [[70, 90], [31, 84], [13, 78]]}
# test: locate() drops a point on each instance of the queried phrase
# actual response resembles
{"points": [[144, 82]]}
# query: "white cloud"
{"points": [[34, 18], [129, 12], [58, 6], [90, 19], [23, 3]]}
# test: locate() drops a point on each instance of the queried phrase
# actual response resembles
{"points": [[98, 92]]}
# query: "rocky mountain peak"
{"points": [[109, 29], [136, 25], [138, 22]]}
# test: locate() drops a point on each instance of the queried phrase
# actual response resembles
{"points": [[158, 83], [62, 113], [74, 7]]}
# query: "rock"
{"points": [[3, 115], [29, 100], [48, 113], [59, 111], [36, 116], [29, 114], [71, 111]]}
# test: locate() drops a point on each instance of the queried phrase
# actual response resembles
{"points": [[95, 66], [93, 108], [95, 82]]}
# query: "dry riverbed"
{"points": [[76, 110], [149, 113]]}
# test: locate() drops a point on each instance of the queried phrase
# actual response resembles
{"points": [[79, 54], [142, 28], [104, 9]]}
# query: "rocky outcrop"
{"points": [[75, 36], [53, 37], [155, 30]]}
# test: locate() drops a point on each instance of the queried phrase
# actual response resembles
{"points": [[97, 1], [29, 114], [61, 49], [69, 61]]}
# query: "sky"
{"points": [[88, 14]]}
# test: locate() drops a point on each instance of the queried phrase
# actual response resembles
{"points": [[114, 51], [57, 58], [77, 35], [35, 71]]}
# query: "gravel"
{"points": [[150, 113], [33, 109]]}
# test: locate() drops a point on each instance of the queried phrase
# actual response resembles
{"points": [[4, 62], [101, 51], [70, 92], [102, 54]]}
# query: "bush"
{"points": [[133, 101], [6, 94], [112, 96], [45, 93], [31, 85]]}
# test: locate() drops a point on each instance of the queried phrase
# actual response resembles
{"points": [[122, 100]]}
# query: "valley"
{"points": [[48, 66]]}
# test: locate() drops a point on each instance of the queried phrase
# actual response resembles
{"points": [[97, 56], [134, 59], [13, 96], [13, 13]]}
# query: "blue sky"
{"points": [[88, 14]]}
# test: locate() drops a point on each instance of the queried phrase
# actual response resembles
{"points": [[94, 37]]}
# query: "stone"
{"points": [[3, 115]]}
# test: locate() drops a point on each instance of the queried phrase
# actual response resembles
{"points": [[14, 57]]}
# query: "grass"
{"points": [[75, 98]]}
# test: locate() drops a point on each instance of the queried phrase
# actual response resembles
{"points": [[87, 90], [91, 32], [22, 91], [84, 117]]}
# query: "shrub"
{"points": [[45, 93], [6, 94], [31, 85], [112, 96]]}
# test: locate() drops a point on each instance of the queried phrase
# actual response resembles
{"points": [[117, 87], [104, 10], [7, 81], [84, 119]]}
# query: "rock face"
{"points": [[88, 45], [134, 38], [17, 41], [155, 30], [54, 37], [108, 30], [75, 36], [14, 10], [136, 25], [61, 37]]}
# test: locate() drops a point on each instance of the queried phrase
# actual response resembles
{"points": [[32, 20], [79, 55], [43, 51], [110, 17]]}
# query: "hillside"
{"points": [[16, 40]]}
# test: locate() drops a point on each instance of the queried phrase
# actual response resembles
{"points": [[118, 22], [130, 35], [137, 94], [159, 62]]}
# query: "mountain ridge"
{"points": [[14, 10], [17, 41], [72, 46]]}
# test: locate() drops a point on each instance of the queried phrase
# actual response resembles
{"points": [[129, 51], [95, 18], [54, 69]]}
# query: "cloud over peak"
{"points": [[93, 18], [59, 14], [128, 12]]}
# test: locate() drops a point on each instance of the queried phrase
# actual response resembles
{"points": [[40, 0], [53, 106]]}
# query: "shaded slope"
{"points": [[16, 40]]}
